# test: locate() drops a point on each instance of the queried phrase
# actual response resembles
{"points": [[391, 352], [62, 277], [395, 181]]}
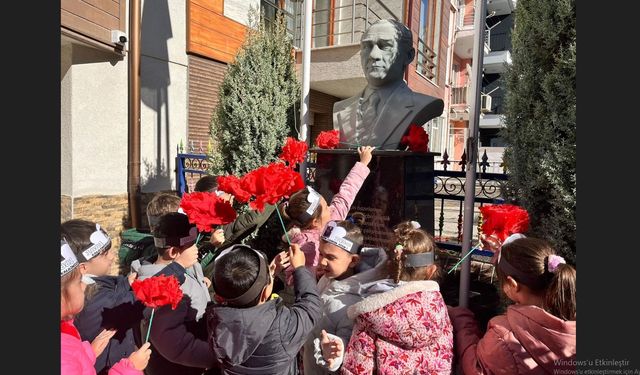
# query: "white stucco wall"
{"points": [[66, 176], [237, 10], [98, 113], [163, 110]]}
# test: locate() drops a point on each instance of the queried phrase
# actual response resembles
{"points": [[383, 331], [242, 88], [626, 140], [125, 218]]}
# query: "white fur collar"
{"points": [[377, 301]]}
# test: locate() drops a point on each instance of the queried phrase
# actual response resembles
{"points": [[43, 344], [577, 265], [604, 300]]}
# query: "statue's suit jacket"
{"points": [[403, 108]]}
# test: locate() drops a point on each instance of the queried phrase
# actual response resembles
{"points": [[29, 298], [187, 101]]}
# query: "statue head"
{"points": [[386, 48]]}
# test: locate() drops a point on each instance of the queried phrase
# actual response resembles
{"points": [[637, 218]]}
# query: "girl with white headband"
{"points": [[109, 300], [77, 356], [309, 211], [537, 335]]}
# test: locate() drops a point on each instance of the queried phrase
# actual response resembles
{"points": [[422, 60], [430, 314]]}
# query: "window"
{"points": [[429, 38], [291, 10], [435, 128]]}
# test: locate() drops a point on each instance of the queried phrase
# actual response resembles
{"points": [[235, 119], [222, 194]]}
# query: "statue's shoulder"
{"points": [[423, 100]]}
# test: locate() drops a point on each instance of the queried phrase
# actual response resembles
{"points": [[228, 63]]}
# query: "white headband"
{"points": [[100, 242], [314, 199], [68, 260], [335, 235]]}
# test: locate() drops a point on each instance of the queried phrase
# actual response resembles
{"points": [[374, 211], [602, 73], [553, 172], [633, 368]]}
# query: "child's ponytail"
{"points": [[560, 297], [396, 267], [534, 263]]}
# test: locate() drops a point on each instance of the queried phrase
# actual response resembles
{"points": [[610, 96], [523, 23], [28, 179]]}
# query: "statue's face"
{"points": [[382, 58]]}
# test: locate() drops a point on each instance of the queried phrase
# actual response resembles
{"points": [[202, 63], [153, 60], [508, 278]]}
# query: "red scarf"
{"points": [[66, 326]]}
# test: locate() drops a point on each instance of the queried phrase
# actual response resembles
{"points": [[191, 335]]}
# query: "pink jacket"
{"points": [[402, 331], [525, 340], [309, 239], [77, 357]]}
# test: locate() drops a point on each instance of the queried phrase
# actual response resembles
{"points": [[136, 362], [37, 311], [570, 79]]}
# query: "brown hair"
{"points": [[161, 204], [558, 289], [294, 210], [413, 241]]}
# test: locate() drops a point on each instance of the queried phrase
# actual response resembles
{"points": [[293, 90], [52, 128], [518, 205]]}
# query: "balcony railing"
{"points": [[344, 23], [459, 95]]}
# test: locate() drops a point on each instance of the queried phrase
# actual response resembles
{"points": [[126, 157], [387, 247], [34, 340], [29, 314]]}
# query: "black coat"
{"points": [[178, 342], [112, 306], [266, 338]]}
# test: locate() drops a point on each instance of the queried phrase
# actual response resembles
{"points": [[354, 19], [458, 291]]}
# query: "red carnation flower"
{"points": [[328, 139], [503, 220], [234, 186], [158, 291], [206, 209], [416, 139], [294, 152], [271, 183]]}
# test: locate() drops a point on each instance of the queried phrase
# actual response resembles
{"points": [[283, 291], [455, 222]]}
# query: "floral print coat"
{"points": [[402, 331]]}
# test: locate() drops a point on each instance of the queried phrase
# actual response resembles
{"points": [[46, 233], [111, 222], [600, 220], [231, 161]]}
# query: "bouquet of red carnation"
{"points": [[157, 291], [416, 139], [503, 220], [293, 152], [206, 209], [328, 139]]}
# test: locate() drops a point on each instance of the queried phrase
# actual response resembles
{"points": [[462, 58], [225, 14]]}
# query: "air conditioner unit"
{"points": [[485, 103]]}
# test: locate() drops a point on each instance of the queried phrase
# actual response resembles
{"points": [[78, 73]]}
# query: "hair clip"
{"points": [[398, 250], [553, 262]]}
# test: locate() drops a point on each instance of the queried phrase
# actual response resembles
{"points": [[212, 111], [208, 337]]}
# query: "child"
{"points": [[178, 336], [138, 243], [537, 335], [309, 211], [342, 262], [77, 356], [402, 326], [232, 233], [250, 333], [110, 303]]}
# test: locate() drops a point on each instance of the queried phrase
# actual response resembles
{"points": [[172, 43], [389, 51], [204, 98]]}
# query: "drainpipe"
{"points": [[134, 114], [306, 71], [472, 150]]}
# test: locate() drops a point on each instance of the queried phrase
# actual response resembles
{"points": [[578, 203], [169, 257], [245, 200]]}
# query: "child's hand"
{"points": [[331, 349], [296, 256], [217, 238], [132, 277], [365, 154], [206, 281], [100, 342], [280, 262], [140, 358], [188, 257]]}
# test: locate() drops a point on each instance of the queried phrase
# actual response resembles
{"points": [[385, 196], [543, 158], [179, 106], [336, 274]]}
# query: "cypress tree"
{"points": [[540, 116], [258, 96]]}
